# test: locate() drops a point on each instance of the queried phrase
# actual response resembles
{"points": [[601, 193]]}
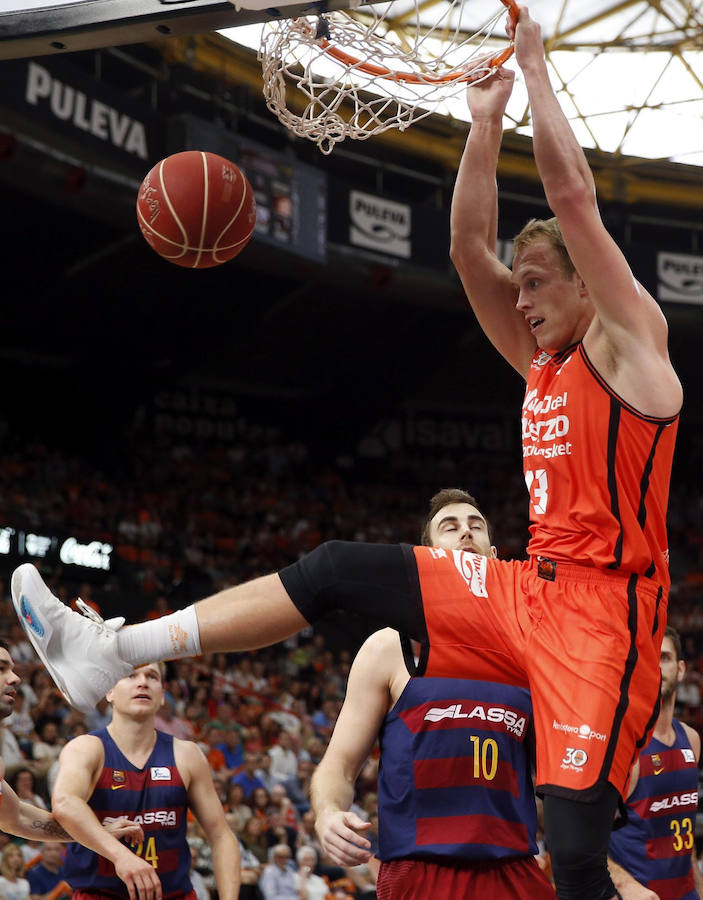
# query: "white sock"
{"points": [[170, 637]]}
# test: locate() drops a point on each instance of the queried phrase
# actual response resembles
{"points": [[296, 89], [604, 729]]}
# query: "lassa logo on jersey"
{"points": [[164, 817], [513, 720], [687, 800]]}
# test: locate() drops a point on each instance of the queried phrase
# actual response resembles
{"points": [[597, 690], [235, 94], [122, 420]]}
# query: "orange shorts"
{"points": [[585, 641]]}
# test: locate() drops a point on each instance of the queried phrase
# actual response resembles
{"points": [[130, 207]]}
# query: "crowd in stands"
{"points": [[262, 720], [185, 521]]}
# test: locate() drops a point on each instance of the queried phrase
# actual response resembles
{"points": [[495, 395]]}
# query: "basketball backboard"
{"points": [[40, 27]]}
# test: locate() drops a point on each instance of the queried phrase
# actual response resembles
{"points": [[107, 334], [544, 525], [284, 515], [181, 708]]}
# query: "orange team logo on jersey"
{"points": [[657, 766]]}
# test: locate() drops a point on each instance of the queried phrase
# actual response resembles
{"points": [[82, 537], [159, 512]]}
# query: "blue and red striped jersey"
{"points": [[655, 845], [454, 779], [154, 796]]}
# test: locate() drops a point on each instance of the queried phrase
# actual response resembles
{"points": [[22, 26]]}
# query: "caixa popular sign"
{"points": [[20, 544]]}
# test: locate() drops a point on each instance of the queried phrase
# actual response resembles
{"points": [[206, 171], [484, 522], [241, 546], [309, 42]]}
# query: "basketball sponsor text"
{"points": [[581, 731], [686, 800], [165, 817], [380, 224], [513, 721], [95, 555], [680, 278], [545, 431], [472, 568], [67, 103]]}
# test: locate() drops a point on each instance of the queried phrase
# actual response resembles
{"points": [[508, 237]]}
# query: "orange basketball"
{"points": [[196, 209]]}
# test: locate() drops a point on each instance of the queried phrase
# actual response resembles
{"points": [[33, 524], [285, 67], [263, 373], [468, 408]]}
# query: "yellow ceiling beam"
{"points": [[626, 179]]}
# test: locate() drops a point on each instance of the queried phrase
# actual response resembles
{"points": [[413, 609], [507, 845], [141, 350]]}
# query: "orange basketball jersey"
{"points": [[597, 471]]}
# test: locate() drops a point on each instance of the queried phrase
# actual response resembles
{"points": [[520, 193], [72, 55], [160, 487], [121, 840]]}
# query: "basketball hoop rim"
{"points": [[410, 77]]}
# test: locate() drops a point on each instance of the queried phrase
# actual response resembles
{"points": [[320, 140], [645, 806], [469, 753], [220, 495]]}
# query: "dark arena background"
{"points": [[167, 432]]}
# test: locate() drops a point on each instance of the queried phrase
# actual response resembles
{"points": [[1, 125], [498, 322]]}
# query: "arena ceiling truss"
{"points": [[629, 74]]}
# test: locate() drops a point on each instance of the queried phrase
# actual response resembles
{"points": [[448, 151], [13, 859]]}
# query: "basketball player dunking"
{"points": [[581, 621]]}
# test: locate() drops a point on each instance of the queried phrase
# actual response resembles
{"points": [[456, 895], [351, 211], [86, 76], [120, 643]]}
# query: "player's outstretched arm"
{"points": [[474, 225], [79, 765], [341, 832], [28, 821], [207, 808], [629, 334]]}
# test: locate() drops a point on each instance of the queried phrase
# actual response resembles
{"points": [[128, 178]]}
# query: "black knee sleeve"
{"points": [[577, 836], [377, 581]]}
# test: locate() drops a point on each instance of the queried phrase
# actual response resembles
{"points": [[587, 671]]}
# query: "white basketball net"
{"points": [[353, 76]]}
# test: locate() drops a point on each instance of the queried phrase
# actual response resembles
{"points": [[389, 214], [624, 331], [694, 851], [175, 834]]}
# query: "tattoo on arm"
{"points": [[51, 828]]}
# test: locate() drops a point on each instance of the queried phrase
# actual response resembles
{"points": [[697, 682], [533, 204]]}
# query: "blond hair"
{"points": [[7, 850], [549, 229]]}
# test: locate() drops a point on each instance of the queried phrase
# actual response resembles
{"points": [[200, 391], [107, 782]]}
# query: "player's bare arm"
{"points": [[367, 701], [634, 777], [474, 218], [23, 819], [80, 763], [207, 808], [28, 821], [627, 340], [627, 887]]}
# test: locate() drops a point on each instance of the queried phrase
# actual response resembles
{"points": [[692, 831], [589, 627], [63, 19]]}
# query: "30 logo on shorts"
{"points": [[574, 758]]}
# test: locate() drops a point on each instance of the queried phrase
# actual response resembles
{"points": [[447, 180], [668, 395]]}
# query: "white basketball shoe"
{"points": [[79, 651]]}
